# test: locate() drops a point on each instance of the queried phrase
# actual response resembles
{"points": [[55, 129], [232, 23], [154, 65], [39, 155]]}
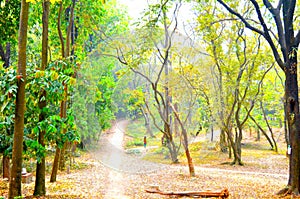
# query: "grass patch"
{"points": [[134, 143], [136, 129], [158, 155], [135, 133]]}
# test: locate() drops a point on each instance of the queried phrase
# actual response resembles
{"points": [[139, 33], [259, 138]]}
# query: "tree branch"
{"points": [[241, 18], [264, 33], [59, 30]]}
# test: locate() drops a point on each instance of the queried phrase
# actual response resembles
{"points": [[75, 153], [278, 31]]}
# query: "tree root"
{"points": [[288, 191]]}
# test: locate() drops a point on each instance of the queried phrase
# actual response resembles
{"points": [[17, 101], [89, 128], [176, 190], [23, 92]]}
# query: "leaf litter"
{"points": [[102, 180]]}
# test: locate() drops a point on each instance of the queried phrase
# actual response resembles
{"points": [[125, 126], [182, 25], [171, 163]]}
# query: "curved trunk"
{"points": [[263, 132], [223, 143], [187, 153], [236, 148]]}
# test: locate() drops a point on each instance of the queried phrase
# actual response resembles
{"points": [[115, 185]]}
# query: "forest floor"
{"points": [[111, 173]]}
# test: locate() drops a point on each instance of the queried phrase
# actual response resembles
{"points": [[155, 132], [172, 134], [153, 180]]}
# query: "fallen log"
{"points": [[208, 194]]}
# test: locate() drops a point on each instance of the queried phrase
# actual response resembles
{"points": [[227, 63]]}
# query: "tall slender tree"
{"points": [[16, 175], [10, 13], [40, 187]]}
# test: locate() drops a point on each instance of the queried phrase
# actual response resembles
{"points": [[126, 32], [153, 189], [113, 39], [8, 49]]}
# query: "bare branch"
{"points": [[276, 15], [241, 18], [264, 33]]}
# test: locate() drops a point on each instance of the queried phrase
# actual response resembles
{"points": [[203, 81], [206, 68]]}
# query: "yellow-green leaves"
{"points": [[54, 1], [35, 1]]}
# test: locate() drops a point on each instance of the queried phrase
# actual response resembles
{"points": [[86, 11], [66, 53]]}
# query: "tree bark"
{"points": [[176, 123], [223, 143], [6, 166], [170, 144], [40, 184], [5, 55], [263, 131], [16, 175], [55, 165], [187, 153], [291, 90], [274, 147], [185, 142]]}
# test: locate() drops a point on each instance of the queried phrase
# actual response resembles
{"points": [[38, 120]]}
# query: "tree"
{"points": [[235, 74], [59, 159], [162, 44], [9, 19], [281, 20], [40, 188], [16, 176], [151, 55]]}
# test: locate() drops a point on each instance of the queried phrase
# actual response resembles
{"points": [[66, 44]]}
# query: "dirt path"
{"points": [[115, 174], [121, 165], [128, 175], [112, 155]]}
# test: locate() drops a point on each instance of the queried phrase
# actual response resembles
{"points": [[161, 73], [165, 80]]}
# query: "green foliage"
{"points": [[50, 81], [135, 143], [134, 101], [92, 101], [9, 20], [8, 89]]}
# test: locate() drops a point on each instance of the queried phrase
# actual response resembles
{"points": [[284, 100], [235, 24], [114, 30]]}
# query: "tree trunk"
{"points": [[187, 153], [62, 158], [274, 145], [63, 114], [5, 55], [40, 184], [223, 143], [176, 123], [40, 187], [236, 149], [229, 149], [66, 54], [260, 129], [292, 102], [55, 165], [172, 148], [212, 133], [147, 122], [258, 135], [6, 166], [285, 126], [16, 175]]}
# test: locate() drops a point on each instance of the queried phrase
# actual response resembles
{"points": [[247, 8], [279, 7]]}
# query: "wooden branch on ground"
{"points": [[208, 194]]}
